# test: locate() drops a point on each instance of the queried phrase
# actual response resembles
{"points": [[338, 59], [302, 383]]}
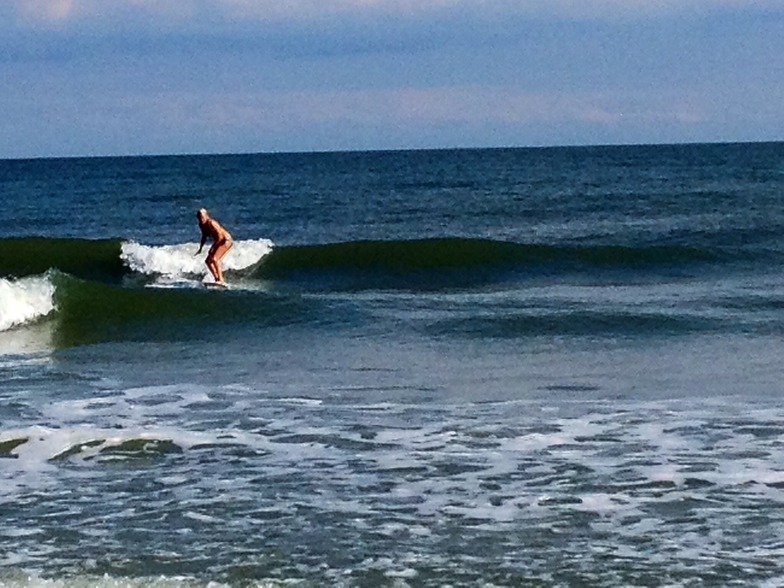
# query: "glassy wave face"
{"points": [[512, 367]]}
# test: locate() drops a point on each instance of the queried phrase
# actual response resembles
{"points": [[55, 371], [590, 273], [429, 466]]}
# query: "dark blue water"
{"points": [[548, 367]]}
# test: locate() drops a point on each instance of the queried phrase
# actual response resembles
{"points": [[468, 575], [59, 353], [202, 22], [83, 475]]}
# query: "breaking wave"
{"points": [[181, 261], [25, 300]]}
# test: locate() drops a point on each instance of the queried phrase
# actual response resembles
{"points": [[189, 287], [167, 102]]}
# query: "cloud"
{"points": [[415, 107], [65, 120], [151, 76], [50, 11], [60, 30], [222, 12], [63, 28], [411, 112]]}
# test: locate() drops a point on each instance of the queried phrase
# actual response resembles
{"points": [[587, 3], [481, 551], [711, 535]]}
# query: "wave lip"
{"points": [[25, 300]]}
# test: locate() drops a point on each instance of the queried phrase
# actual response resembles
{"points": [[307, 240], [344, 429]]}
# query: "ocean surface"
{"points": [[503, 367]]}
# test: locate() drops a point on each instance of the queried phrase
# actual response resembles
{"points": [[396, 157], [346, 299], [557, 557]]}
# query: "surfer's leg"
{"points": [[218, 273], [221, 250], [212, 265]]}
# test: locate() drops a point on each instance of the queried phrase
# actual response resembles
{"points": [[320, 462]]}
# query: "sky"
{"points": [[134, 77]]}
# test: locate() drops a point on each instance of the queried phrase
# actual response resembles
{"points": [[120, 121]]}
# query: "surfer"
{"points": [[221, 243]]}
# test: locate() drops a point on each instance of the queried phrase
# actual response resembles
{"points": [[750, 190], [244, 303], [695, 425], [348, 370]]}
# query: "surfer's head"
{"points": [[201, 214]]}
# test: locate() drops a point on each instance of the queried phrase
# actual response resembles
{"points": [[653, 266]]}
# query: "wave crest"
{"points": [[464, 254], [25, 300]]}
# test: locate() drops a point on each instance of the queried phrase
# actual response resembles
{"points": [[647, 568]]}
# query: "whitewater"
{"points": [[25, 300], [180, 261]]}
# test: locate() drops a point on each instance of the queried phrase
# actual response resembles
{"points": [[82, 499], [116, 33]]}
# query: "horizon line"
{"points": [[390, 150]]}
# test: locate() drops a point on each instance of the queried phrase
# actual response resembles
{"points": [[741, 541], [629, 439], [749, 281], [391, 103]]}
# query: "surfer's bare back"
{"points": [[221, 243]]}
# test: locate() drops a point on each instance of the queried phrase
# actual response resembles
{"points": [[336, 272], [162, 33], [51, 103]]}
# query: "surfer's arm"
{"points": [[203, 241]]}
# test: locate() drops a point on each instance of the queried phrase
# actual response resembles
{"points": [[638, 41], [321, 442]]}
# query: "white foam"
{"points": [[24, 580], [606, 504], [43, 444], [180, 261], [201, 517], [25, 300]]}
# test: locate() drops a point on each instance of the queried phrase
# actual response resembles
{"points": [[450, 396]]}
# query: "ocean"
{"points": [[494, 367]]}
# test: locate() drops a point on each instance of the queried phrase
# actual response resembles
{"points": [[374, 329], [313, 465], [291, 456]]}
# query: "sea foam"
{"points": [[180, 261], [25, 300]]}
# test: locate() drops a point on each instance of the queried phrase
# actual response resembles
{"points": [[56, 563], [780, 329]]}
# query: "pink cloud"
{"points": [[50, 11]]}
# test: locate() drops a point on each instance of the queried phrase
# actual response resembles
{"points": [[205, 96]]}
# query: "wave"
{"points": [[91, 311], [111, 260], [108, 260], [83, 311], [84, 258], [475, 255], [25, 300], [271, 280]]}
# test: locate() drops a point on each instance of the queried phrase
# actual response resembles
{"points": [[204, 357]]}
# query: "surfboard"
{"points": [[215, 285]]}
